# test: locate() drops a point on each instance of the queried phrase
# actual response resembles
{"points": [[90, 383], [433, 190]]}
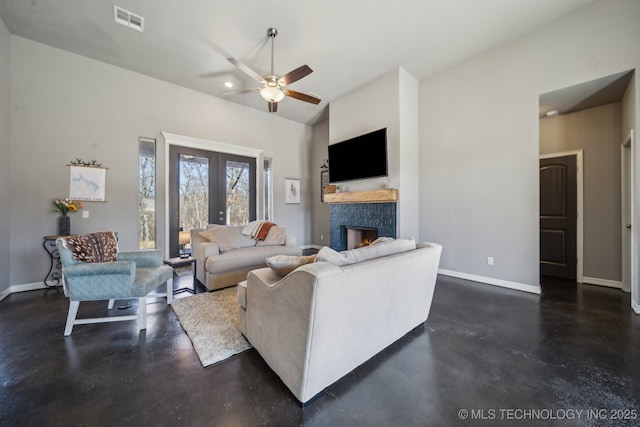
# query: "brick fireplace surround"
{"points": [[381, 216]]}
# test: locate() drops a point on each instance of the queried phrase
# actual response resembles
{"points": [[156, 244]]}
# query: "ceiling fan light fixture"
{"points": [[272, 94]]}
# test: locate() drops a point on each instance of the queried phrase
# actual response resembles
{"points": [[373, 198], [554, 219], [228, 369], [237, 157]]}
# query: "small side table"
{"points": [[178, 262]]}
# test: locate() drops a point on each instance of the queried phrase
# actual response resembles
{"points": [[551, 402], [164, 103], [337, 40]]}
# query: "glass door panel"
{"points": [[194, 192], [238, 191]]}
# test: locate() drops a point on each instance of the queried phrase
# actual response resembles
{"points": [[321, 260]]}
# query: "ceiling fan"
{"points": [[274, 88]]}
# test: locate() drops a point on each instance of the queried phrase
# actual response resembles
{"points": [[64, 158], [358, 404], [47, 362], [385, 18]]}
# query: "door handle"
{"points": [[628, 225]]}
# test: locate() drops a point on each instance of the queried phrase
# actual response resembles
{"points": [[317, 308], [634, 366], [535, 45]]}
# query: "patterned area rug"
{"points": [[211, 322]]}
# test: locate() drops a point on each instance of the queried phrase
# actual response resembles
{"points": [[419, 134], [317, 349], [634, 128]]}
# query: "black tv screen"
{"points": [[362, 157]]}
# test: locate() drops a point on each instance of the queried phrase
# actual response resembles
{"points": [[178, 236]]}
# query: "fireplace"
{"points": [[365, 217], [358, 237]]}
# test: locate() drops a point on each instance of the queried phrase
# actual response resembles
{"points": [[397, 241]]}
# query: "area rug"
{"points": [[211, 322]]}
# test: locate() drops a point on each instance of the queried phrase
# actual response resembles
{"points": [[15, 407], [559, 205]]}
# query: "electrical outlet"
{"points": [[85, 214], [490, 260], [322, 237]]}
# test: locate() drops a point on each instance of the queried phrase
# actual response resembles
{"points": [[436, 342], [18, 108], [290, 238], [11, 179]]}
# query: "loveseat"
{"points": [[226, 253], [325, 318]]}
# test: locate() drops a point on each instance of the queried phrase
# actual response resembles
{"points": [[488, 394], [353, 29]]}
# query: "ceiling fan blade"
{"points": [[235, 92], [273, 107], [295, 75], [302, 96], [248, 71]]}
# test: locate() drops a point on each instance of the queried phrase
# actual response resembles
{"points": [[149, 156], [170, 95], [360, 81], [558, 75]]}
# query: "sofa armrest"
{"points": [[152, 258], [100, 269], [99, 281], [201, 249]]}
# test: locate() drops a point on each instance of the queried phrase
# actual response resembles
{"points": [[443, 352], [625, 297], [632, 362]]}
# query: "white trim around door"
{"points": [[204, 144]]}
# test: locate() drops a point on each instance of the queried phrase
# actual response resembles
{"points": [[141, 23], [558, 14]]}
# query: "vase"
{"points": [[64, 225]]}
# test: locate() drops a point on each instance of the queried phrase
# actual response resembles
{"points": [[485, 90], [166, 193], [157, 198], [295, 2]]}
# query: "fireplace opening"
{"points": [[358, 237]]}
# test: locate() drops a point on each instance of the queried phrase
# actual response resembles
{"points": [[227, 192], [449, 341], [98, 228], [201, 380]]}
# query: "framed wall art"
{"points": [[291, 190], [87, 183]]}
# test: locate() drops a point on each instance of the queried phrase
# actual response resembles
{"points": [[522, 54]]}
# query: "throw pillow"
{"points": [[94, 247], [275, 236], [285, 264], [220, 235]]}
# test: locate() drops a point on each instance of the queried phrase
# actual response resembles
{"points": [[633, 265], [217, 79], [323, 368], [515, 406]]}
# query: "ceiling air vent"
{"points": [[128, 19]]}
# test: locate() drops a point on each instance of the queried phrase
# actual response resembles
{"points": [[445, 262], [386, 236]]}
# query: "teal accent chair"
{"points": [[134, 275]]}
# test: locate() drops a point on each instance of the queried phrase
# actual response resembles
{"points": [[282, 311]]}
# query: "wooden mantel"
{"points": [[389, 195]]}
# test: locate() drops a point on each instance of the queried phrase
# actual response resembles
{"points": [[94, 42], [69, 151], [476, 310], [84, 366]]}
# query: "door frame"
{"points": [[204, 144], [630, 208], [579, 208]]}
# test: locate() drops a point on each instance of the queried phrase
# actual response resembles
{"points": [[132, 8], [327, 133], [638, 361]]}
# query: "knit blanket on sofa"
{"points": [[257, 229]]}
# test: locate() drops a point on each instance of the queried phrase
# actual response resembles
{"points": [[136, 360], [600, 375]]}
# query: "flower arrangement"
{"points": [[67, 205]]}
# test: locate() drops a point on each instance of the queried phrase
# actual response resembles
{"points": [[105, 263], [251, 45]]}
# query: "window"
{"points": [[147, 193], [268, 191]]}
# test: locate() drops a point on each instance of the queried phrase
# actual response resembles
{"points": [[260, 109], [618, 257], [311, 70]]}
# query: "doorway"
{"points": [[208, 187]]}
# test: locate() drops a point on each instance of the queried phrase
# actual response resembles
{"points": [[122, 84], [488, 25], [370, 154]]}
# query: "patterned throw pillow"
{"points": [[95, 247]]}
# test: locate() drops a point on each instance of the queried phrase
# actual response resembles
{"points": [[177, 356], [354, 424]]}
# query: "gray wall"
{"points": [[5, 103], [479, 137], [389, 101], [67, 106], [320, 225], [597, 131]]}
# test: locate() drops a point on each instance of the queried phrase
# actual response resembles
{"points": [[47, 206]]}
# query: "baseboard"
{"points": [[492, 281], [635, 307], [602, 282], [22, 288]]}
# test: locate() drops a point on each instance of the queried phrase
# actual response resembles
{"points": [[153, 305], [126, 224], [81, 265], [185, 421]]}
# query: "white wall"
{"points": [[5, 105], [479, 137], [408, 208], [66, 106], [389, 101]]}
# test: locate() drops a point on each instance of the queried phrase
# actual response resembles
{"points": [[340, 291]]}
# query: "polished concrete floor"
{"points": [[486, 356]]}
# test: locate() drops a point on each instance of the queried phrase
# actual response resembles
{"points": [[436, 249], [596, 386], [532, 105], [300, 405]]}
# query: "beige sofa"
{"points": [[322, 320], [227, 262]]}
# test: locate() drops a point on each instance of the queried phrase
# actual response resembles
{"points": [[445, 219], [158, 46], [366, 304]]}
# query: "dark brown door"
{"points": [[558, 217]]}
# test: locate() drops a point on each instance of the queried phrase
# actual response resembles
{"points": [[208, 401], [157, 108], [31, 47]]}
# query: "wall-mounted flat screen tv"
{"points": [[362, 157]]}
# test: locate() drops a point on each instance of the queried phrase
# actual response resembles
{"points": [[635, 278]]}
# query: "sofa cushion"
{"points": [[227, 237], [274, 237], [246, 257], [378, 249], [285, 264]]}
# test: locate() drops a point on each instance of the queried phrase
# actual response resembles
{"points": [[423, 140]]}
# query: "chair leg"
{"points": [[111, 302], [71, 317], [142, 313]]}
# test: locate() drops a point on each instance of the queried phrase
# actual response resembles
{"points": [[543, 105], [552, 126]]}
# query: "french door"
{"points": [[207, 187]]}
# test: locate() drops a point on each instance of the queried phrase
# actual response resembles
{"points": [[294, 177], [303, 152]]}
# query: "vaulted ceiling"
{"points": [[346, 43]]}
